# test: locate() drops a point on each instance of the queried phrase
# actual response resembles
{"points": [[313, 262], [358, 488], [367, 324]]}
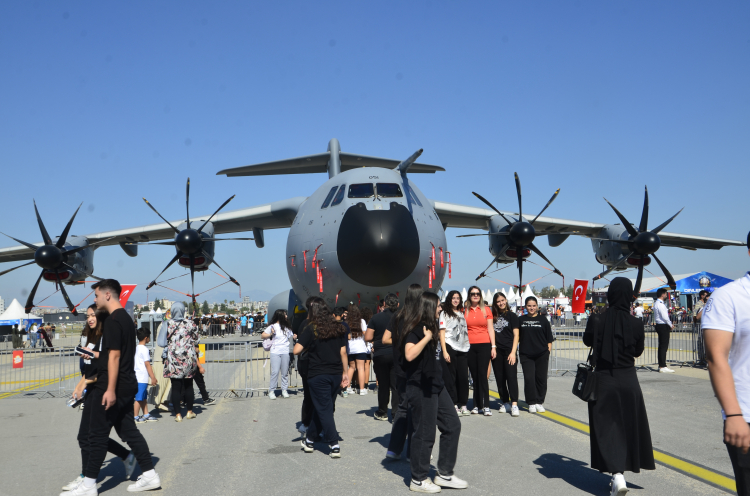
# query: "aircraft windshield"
{"points": [[329, 197], [339, 196], [389, 190], [365, 190]]}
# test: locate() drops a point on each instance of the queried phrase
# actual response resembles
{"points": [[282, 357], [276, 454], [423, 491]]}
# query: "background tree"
{"points": [[157, 304], [223, 307], [204, 307]]}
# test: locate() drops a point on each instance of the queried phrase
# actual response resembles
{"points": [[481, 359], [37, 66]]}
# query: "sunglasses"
{"points": [[474, 294]]}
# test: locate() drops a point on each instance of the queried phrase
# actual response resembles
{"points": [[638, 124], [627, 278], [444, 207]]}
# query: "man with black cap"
{"points": [[726, 327]]}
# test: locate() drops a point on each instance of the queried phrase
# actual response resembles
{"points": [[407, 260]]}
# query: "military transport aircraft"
{"points": [[369, 230]]}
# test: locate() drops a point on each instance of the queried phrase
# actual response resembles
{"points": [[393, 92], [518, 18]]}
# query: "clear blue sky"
{"points": [[104, 103]]}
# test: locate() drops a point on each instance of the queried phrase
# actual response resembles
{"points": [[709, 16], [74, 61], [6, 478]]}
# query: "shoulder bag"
{"points": [[584, 386]]}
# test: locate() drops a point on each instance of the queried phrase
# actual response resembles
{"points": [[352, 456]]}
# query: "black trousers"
{"points": [[387, 390], [478, 358], [456, 376], [506, 376], [201, 383], [323, 391], [663, 330], [307, 405], [113, 446], [429, 410], [182, 389], [741, 467], [535, 378], [402, 422], [119, 416]]}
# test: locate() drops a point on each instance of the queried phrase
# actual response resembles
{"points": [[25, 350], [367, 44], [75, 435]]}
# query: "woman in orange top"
{"points": [[481, 348]]}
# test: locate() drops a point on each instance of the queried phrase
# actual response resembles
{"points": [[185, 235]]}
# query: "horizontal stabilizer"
{"points": [[318, 163]]}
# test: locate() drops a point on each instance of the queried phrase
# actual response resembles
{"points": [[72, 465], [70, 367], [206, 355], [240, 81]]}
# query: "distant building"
{"points": [[2, 305], [150, 305]]}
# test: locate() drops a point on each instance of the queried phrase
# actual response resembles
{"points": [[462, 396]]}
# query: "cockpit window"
{"points": [[389, 190], [329, 197], [365, 190], [339, 196], [413, 195]]}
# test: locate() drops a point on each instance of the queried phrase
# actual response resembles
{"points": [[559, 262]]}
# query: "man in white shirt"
{"points": [[726, 327], [663, 328], [639, 311]]}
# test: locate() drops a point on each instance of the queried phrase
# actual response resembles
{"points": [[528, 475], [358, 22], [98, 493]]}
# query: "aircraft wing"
{"points": [[276, 215], [454, 215]]}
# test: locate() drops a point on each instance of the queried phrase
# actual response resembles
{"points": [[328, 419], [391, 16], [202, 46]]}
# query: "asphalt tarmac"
{"points": [[251, 445]]}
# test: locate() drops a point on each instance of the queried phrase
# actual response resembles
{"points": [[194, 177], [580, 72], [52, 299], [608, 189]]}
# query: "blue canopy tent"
{"points": [[692, 284]]}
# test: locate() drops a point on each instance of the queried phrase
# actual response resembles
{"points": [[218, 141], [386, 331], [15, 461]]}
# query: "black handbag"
{"points": [[584, 386]]}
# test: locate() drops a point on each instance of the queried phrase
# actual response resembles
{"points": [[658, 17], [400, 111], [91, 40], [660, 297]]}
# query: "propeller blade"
{"points": [[670, 279], [45, 236], [483, 234], [644, 216], [538, 252], [162, 218], [82, 272], [187, 201], [217, 211], [81, 248], [192, 273], [176, 257], [518, 190], [547, 205], [492, 207], [485, 270], [617, 264], [27, 245], [30, 300], [71, 307], [662, 226], [64, 236], [14, 268], [639, 279], [631, 230], [519, 262], [205, 253]]}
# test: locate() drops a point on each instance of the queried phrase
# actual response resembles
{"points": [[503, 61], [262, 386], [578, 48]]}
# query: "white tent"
{"points": [[16, 314], [526, 293], [511, 295], [464, 295]]}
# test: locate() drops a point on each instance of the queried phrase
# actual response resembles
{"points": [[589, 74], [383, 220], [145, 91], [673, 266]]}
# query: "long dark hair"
{"points": [[354, 319], [367, 315], [448, 306], [311, 304], [325, 324], [280, 317], [411, 311], [426, 317], [95, 334], [496, 312]]}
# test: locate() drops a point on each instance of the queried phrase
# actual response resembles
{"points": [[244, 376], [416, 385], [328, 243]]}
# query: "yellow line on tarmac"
{"points": [[696, 471], [34, 386]]}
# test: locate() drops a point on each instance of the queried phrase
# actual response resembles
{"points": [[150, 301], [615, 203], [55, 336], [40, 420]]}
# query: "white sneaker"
{"points": [[540, 409], [349, 390], [130, 463], [501, 409], [452, 482], [81, 490], [474, 411], [73, 484], [144, 484], [532, 408], [619, 487], [514, 411], [363, 392], [284, 394], [666, 370], [271, 395], [425, 486], [487, 412]]}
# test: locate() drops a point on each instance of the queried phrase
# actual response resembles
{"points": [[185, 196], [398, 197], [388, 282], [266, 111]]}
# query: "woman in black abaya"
{"points": [[620, 436]]}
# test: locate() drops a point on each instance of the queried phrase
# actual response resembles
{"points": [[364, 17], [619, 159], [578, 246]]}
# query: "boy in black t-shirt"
{"points": [[114, 394], [534, 349]]}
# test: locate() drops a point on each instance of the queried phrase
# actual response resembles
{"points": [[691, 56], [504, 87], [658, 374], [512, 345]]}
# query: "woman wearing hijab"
{"points": [[182, 360], [620, 436]]}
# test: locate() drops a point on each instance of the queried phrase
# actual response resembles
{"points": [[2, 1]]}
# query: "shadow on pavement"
{"points": [[575, 472]]}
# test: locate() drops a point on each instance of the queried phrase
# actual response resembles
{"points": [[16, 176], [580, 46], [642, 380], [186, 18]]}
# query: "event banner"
{"points": [[127, 290], [578, 302], [17, 359]]}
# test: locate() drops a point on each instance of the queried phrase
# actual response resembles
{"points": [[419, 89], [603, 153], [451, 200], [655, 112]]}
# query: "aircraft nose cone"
{"points": [[189, 241], [48, 257], [522, 234], [646, 243], [378, 247]]}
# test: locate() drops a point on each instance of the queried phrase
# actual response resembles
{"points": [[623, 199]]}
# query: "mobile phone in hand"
{"points": [[87, 353]]}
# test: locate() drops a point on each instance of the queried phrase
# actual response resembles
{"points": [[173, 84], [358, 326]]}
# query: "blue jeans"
{"points": [[33, 338], [323, 391]]}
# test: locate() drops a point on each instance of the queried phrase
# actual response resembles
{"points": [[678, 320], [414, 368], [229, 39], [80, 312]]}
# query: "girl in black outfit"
{"points": [[429, 402], [325, 340], [620, 435], [93, 332], [535, 346], [303, 363], [505, 364]]}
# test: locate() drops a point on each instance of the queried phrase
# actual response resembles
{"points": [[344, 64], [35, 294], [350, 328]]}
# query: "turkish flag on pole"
{"points": [[127, 290], [578, 302]]}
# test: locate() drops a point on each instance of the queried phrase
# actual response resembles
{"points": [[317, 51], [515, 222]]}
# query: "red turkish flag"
{"points": [[127, 290], [578, 301]]}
